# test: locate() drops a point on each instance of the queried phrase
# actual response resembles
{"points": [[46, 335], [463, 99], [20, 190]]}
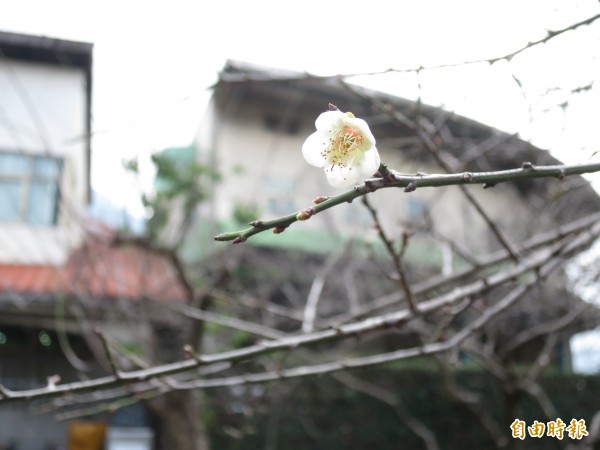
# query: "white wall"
{"points": [[43, 111]]}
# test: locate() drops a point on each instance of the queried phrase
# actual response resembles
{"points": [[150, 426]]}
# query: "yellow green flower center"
{"points": [[343, 146]]}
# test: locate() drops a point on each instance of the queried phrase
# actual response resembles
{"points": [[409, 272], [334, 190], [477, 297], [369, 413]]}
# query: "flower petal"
{"points": [[369, 164], [313, 149], [329, 121], [361, 168], [342, 176]]}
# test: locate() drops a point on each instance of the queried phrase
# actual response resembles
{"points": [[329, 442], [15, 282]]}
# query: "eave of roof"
{"points": [[46, 50]]}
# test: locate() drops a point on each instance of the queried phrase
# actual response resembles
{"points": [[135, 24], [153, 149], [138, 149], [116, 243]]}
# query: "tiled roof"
{"points": [[98, 269], [30, 279]]}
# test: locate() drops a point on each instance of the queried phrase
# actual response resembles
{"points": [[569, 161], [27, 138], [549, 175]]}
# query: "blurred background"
{"points": [[155, 61], [133, 132]]}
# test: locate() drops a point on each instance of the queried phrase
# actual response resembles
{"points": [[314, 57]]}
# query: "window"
{"points": [[29, 188]]}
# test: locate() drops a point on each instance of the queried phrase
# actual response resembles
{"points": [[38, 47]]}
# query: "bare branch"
{"points": [[543, 262], [436, 282], [396, 257], [396, 180], [312, 301], [388, 397], [229, 322], [542, 329], [109, 355]]}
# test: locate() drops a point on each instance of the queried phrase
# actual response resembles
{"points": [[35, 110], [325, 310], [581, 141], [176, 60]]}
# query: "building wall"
{"points": [[43, 119]]}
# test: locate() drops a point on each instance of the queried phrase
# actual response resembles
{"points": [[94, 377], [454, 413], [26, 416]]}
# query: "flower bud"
{"points": [[305, 214], [278, 230]]}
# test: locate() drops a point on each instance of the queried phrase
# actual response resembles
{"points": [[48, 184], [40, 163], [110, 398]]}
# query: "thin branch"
{"points": [[261, 77], [432, 146], [110, 397], [471, 401], [312, 301], [110, 407], [109, 355], [351, 288], [423, 287], [396, 258], [170, 254], [228, 322], [538, 262], [455, 247], [382, 358], [412, 182], [503, 240], [542, 329], [388, 397], [507, 56], [543, 357]]}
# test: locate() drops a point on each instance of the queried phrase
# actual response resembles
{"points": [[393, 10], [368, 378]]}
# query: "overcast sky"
{"points": [[153, 61]]}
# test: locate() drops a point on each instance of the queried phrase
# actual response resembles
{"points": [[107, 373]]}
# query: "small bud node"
{"points": [[527, 166], [411, 187], [305, 214], [279, 230]]}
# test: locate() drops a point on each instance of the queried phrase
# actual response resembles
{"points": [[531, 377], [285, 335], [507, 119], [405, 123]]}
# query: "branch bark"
{"points": [[396, 180]]}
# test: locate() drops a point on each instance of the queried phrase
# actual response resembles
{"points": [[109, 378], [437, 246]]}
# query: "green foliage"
{"points": [[246, 212], [322, 413], [176, 179], [131, 165]]}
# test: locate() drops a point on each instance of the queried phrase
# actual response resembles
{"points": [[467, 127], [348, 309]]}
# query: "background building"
{"points": [[46, 87], [259, 118], [252, 136], [61, 274]]}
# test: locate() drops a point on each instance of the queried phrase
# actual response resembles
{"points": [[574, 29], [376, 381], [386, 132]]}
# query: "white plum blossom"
{"points": [[344, 147]]}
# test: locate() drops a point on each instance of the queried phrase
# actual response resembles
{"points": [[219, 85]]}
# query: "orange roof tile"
{"points": [[101, 270]]}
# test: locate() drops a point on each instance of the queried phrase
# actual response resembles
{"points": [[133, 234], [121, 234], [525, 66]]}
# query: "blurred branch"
{"points": [[410, 183], [312, 302], [542, 329], [389, 398], [225, 321], [547, 267], [503, 240], [471, 402], [434, 147], [438, 281], [109, 400], [396, 256], [508, 56], [551, 34], [145, 243], [541, 262]]}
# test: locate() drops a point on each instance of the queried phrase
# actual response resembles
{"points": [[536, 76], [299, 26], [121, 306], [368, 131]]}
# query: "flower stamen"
{"points": [[344, 144]]}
